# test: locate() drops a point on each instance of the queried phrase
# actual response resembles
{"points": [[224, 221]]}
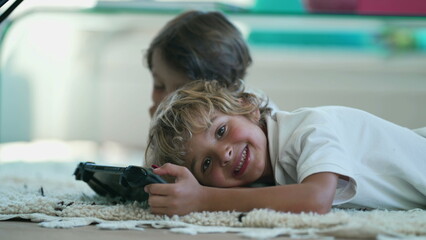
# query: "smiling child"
{"points": [[216, 143]]}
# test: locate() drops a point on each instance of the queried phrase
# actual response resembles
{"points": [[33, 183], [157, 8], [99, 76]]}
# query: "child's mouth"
{"points": [[242, 163]]}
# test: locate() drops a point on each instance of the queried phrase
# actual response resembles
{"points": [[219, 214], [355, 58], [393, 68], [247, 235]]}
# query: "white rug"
{"points": [[47, 193]]}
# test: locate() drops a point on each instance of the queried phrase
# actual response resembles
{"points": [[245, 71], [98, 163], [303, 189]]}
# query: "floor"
{"points": [[18, 230]]}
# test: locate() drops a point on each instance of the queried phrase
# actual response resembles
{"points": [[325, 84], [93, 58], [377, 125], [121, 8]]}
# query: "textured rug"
{"points": [[47, 193]]}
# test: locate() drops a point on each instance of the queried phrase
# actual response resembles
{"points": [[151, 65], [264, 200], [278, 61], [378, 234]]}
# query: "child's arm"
{"points": [[314, 194]]}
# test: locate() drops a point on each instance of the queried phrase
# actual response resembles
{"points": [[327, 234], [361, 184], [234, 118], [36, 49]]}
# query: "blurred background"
{"points": [[74, 85]]}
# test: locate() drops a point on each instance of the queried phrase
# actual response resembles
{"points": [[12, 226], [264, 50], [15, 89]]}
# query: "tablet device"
{"points": [[113, 181]]}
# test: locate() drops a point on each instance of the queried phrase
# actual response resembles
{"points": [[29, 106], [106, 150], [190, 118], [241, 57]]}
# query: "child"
{"points": [[196, 45], [316, 157]]}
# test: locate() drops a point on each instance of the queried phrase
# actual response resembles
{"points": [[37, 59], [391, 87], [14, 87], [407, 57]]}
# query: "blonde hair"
{"points": [[189, 110]]}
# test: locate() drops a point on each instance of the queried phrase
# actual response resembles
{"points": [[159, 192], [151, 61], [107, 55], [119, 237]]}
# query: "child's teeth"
{"points": [[243, 158]]}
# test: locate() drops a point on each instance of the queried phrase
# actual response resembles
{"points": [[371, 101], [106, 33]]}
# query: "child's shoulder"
{"points": [[308, 117]]}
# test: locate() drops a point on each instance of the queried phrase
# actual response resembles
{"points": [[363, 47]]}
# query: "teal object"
{"points": [[420, 38], [279, 6], [339, 39]]}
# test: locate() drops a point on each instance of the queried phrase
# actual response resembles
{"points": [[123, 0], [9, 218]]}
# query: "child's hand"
{"points": [[182, 197]]}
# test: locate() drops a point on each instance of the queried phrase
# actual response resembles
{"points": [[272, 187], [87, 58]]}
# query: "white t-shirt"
{"points": [[385, 163]]}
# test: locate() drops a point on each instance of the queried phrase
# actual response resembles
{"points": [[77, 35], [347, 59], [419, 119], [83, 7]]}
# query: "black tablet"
{"points": [[125, 182]]}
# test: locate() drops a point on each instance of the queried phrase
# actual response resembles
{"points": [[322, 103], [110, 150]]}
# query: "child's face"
{"points": [[166, 79], [232, 152]]}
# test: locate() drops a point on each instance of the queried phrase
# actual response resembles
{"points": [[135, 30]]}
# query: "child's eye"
{"points": [[206, 164], [221, 131], [159, 87]]}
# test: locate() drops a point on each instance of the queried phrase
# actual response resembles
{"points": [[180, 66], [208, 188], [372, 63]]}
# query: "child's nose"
{"points": [[226, 155]]}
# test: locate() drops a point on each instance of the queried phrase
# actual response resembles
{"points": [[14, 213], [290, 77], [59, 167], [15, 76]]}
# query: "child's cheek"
{"points": [[241, 132], [216, 178]]}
